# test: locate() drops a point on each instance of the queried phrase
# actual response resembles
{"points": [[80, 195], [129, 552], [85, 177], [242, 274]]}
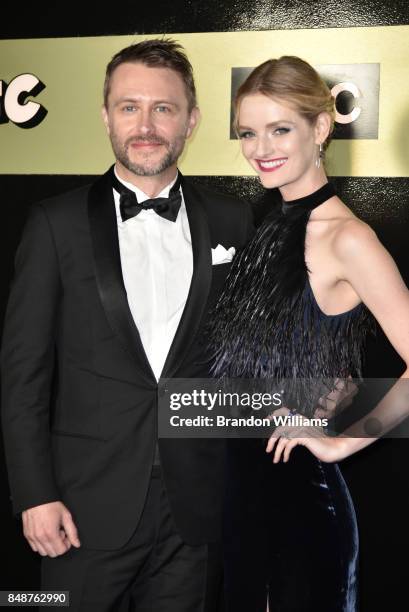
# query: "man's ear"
{"points": [[194, 119], [104, 114], [322, 127]]}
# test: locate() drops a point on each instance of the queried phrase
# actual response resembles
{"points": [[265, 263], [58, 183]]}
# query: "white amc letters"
{"points": [[13, 105]]}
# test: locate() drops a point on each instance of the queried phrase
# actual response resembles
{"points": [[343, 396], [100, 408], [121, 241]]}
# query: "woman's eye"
{"points": [[246, 134], [281, 130]]}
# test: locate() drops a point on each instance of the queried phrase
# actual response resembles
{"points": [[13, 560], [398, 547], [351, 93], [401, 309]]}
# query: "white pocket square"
{"points": [[220, 255]]}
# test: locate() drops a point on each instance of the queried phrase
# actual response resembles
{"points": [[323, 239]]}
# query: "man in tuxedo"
{"points": [[113, 286]]}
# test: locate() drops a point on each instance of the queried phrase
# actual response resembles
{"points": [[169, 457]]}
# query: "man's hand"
{"points": [[337, 400], [49, 529]]}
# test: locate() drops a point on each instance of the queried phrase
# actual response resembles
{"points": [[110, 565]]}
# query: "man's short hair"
{"points": [[155, 53]]}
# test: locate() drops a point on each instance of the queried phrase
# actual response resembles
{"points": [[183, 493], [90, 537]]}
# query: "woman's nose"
{"points": [[264, 146]]}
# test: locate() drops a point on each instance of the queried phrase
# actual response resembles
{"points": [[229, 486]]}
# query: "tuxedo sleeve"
{"points": [[28, 358]]}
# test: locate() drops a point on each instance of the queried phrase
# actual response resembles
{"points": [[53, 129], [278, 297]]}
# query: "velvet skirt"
{"points": [[290, 533]]}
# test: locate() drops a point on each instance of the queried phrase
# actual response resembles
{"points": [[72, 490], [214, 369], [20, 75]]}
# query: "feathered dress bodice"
{"points": [[267, 323]]}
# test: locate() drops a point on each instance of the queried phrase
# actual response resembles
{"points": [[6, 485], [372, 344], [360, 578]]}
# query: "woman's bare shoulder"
{"points": [[352, 236]]}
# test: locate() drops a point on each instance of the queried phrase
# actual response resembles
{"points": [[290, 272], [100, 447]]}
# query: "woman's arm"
{"points": [[373, 274]]}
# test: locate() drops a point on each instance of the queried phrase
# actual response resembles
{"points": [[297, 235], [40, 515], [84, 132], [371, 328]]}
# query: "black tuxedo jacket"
{"points": [[79, 396]]}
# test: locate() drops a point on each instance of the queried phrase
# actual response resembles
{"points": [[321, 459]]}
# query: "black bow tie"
{"points": [[168, 208]]}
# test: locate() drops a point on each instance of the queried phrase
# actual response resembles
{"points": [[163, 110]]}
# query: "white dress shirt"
{"points": [[157, 266]]}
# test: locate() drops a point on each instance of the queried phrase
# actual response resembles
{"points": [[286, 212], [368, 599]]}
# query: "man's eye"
{"points": [[129, 108], [162, 109], [246, 134]]}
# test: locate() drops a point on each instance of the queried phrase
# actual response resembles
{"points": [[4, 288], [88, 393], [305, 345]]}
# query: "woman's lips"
{"points": [[270, 165]]}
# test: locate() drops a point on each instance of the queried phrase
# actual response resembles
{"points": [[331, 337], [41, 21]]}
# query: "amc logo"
{"points": [[14, 105], [355, 88]]}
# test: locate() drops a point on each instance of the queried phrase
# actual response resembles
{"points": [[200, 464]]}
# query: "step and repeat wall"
{"points": [[51, 99], [52, 139]]}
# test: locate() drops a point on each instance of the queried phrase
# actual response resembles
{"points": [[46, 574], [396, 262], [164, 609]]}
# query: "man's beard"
{"points": [[174, 150]]}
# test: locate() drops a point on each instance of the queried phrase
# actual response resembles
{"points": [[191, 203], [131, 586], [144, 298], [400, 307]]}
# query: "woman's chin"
{"points": [[270, 182]]}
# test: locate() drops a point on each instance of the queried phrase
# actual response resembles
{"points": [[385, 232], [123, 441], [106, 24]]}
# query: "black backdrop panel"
{"points": [[78, 19]]}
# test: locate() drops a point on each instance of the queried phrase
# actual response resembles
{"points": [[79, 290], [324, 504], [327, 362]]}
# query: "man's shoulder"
{"points": [[211, 196], [66, 201], [229, 217], [67, 205]]}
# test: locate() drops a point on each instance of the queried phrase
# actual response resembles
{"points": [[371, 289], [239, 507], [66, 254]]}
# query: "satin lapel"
{"points": [[104, 235], [200, 284]]}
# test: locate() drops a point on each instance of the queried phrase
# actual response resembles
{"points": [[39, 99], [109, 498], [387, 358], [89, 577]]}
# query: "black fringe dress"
{"points": [[290, 532]]}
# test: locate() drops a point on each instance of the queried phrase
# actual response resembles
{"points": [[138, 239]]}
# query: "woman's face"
{"points": [[277, 141]]}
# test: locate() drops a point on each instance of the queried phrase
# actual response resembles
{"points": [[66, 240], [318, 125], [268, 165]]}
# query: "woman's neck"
{"points": [[304, 187], [310, 202]]}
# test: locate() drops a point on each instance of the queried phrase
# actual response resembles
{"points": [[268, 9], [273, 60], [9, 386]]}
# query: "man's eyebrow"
{"points": [[136, 100]]}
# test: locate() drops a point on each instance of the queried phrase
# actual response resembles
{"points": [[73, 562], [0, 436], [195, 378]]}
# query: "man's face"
{"points": [[147, 118]]}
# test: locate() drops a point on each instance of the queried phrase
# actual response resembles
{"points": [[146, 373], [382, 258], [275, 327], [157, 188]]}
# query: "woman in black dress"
{"points": [[298, 303]]}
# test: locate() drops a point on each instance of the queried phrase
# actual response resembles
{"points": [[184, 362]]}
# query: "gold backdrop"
{"points": [[71, 138]]}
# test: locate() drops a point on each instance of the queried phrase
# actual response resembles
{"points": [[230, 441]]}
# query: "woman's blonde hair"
{"points": [[292, 81]]}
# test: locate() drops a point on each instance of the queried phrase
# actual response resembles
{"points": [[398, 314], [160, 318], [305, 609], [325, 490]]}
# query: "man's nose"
{"points": [[145, 121]]}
